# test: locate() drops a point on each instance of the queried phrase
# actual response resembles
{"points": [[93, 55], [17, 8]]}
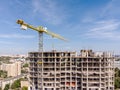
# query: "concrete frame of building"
{"points": [[68, 71]]}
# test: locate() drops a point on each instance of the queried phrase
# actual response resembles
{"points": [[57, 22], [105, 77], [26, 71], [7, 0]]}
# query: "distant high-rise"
{"points": [[70, 71]]}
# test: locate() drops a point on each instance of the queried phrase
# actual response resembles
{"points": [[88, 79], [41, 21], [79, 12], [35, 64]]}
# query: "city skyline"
{"points": [[86, 24]]}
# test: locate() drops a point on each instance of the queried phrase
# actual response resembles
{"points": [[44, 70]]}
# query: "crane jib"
{"points": [[39, 29]]}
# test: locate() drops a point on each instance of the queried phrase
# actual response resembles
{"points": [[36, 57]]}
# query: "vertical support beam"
{"points": [[82, 73], [40, 41], [87, 74], [100, 72], [54, 56], [70, 73]]}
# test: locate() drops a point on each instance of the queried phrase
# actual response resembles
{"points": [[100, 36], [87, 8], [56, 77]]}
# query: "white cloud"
{"points": [[105, 30], [48, 10], [106, 23], [16, 36], [111, 9], [106, 26]]}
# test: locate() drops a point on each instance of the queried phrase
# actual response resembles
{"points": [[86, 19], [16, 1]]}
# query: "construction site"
{"points": [[64, 70], [71, 71]]}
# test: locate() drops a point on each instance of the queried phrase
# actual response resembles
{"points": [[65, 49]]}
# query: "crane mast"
{"points": [[40, 42]]}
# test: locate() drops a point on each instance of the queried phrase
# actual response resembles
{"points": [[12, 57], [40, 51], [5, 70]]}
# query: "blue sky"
{"points": [[87, 24]]}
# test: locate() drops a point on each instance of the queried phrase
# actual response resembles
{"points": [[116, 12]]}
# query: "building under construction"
{"points": [[87, 70]]}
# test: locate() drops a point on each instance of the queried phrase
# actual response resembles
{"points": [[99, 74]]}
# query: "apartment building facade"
{"points": [[71, 71], [13, 69]]}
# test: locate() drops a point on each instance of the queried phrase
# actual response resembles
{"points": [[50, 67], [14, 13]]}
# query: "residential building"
{"points": [[87, 70], [13, 69]]}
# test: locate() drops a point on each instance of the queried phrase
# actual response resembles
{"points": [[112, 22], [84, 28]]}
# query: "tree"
{"points": [[23, 71], [7, 86], [25, 65], [117, 83], [24, 88], [16, 84], [117, 78], [3, 74], [116, 72], [119, 73], [5, 59]]}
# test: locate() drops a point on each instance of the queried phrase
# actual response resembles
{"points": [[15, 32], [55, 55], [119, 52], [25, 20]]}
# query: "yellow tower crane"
{"points": [[40, 30]]}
